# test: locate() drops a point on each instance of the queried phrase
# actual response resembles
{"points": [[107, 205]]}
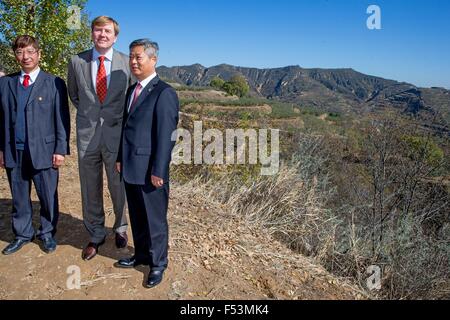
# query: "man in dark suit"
{"points": [[97, 82], [34, 139], [150, 118]]}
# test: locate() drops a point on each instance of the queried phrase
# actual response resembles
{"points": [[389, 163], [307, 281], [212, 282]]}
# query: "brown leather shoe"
{"points": [[91, 250], [121, 240]]}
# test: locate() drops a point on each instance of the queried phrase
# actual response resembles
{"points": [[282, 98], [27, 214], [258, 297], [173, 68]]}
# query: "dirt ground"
{"points": [[212, 255]]}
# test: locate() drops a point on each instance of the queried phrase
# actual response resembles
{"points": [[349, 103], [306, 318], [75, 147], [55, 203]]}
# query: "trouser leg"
{"points": [[20, 183], [138, 220], [156, 203], [91, 181], [46, 184], [116, 189]]}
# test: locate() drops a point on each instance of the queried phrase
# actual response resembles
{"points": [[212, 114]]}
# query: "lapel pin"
{"points": [[40, 98]]}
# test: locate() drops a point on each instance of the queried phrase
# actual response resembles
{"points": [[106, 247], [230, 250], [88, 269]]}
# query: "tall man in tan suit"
{"points": [[97, 83]]}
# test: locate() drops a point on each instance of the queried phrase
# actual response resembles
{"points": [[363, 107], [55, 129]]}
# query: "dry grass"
{"points": [[296, 207]]}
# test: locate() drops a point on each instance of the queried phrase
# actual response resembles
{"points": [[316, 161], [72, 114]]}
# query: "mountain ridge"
{"points": [[342, 90]]}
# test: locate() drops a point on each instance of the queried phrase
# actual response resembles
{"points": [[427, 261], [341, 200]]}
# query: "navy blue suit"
{"points": [[47, 130], [145, 150]]}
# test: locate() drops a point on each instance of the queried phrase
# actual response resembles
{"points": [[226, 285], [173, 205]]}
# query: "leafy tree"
{"points": [[217, 82], [7, 61], [239, 85], [236, 86], [61, 26], [230, 88], [422, 147]]}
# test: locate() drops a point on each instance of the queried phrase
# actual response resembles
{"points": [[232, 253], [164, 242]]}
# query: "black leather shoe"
{"points": [[49, 244], [129, 263], [15, 246], [154, 278]]}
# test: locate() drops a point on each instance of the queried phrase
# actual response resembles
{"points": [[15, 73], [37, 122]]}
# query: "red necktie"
{"points": [[137, 92], [101, 83], [26, 81]]}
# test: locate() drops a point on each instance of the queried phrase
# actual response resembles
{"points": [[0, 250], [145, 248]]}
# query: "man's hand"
{"points": [[157, 181], [2, 161], [118, 167], [58, 161]]}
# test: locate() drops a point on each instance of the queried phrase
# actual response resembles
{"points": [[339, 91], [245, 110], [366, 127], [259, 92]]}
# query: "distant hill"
{"points": [[334, 90]]}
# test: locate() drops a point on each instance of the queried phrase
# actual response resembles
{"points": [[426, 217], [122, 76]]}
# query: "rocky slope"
{"points": [[336, 90]]}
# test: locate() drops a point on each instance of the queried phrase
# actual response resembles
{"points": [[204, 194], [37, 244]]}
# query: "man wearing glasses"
{"points": [[34, 139]]}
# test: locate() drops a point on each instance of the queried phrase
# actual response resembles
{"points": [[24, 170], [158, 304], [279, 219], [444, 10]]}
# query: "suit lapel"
{"points": [[13, 81], [38, 85], [86, 67], [129, 94], [145, 92]]}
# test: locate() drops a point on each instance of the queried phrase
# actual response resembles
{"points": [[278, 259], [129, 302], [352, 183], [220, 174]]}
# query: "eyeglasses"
{"points": [[28, 52]]}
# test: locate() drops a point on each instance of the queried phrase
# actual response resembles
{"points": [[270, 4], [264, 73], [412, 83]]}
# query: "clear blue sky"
{"points": [[413, 44]]}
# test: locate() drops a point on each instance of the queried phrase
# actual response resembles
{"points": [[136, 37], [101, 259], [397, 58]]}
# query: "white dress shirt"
{"points": [[96, 63], [143, 84], [33, 75]]}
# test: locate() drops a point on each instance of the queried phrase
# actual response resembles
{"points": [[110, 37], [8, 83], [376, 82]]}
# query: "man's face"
{"points": [[141, 65], [104, 36], [28, 58]]}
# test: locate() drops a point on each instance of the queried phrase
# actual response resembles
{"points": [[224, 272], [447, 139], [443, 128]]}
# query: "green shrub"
{"points": [[236, 86], [422, 147], [217, 82]]}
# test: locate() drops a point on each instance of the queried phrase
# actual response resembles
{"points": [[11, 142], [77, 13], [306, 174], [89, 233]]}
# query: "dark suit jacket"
{"points": [[47, 119], [146, 144]]}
